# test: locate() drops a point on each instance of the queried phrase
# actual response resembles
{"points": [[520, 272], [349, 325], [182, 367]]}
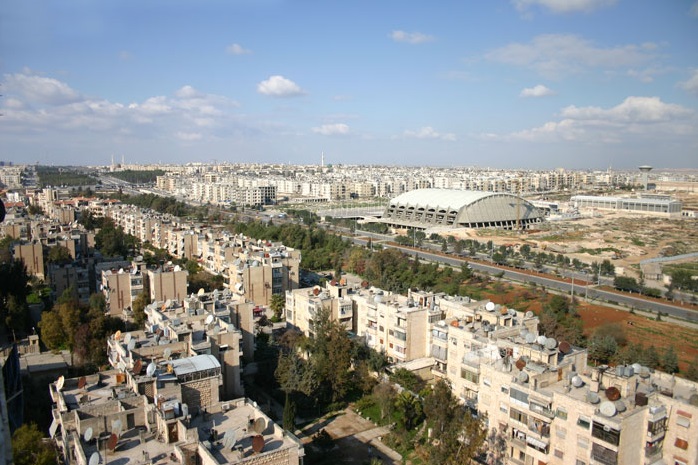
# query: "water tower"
{"points": [[645, 173]]}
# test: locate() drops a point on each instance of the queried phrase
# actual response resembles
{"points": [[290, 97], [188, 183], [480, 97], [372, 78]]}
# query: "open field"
{"points": [[638, 328]]}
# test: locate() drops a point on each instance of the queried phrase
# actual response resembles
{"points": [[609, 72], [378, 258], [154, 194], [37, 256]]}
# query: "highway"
{"points": [[581, 290]]}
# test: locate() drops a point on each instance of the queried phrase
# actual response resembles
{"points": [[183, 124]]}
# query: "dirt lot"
{"points": [[638, 327]]}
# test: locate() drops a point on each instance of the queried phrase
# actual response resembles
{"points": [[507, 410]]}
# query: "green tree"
{"points": [[52, 334], [28, 447], [607, 268], [277, 304], [384, 395], [670, 361], [289, 416], [60, 255], [458, 437], [409, 408], [138, 307], [602, 349]]}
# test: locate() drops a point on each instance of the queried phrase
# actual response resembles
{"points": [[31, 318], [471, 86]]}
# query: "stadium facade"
{"points": [[426, 208]]}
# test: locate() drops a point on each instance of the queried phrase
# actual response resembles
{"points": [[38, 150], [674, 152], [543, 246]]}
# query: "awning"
{"points": [[53, 428], [536, 443]]}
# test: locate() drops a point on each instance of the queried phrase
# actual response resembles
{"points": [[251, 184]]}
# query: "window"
{"points": [[469, 375], [503, 407], [561, 413], [604, 455], [486, 382], [519, 396], [559, 454], [580, 462], [605, 433], [518, 416], [560, 432], [656, 427], [505, 389], [582, 442], [584, 422], [678, 461]]}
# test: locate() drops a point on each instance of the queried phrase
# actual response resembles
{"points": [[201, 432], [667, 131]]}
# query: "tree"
{"points": [[602, 348], [458, 437], [607, 268], [277, 304], [289, 416], [384, 394], [28, 447], [670, 361], [52, 334], [59, 255], [410, 409], [138, 308]]}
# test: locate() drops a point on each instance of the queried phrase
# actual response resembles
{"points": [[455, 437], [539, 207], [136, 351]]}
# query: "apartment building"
{"points": [[74, 276], [121, 286], [143, 415], [304, 305], [168, 283], [32, 254]]}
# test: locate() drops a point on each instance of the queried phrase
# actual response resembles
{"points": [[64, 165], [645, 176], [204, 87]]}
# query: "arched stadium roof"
{"points": [[425, 208]]}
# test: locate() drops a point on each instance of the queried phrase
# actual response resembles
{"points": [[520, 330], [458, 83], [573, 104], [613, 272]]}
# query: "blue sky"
{"points": [[501, 83]]}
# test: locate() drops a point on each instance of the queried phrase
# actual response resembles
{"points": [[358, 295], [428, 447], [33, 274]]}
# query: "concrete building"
{"points": [[32, 254], [73, 276], [168, 283], [104, 418], [656, 205], [303, 305], [121, 286]]}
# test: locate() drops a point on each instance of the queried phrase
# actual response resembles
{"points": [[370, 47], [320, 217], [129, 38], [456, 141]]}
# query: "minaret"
{"points": [[322, 159]]}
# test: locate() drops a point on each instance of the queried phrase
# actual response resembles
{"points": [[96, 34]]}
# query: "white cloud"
{"points": [[633, 118], [332, 129], [427, 132], [411, 37], [536, 91], [35, 104], [564, 6], [237, 49], [279, 86], [691, 85], [37, 89], [556, 55], [188, 136]]}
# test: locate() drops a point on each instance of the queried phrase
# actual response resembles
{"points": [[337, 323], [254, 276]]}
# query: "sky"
{"points": [[519, 84]]}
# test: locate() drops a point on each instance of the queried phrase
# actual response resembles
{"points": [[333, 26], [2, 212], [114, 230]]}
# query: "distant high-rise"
{"points": [[645, 174], [322, 160]]}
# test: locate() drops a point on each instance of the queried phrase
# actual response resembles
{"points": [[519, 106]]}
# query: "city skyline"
{"points": [[532, 84]]}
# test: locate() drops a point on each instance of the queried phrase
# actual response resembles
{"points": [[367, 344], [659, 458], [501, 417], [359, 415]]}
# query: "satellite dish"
{"points": [[137, 367], [201, 291], [82, 382], [550, 343], [112, 441], [529, 314], [209, 319], [116, 426], [88, 434], [512, 312], [541, 339], [530, 338], [167, 353], [259, 425], [60, 382], [522, 377], [620, 406], [577, 381], [216, 330], [520, 363], [489, 306], [127, 338], [229, 439], [150, 371], [131, 344], [94, 458], [636, 367], [607, 408], [185, 410], [565, 347], [612, 393], [117, 335], [258, 443], [593, 397]]}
